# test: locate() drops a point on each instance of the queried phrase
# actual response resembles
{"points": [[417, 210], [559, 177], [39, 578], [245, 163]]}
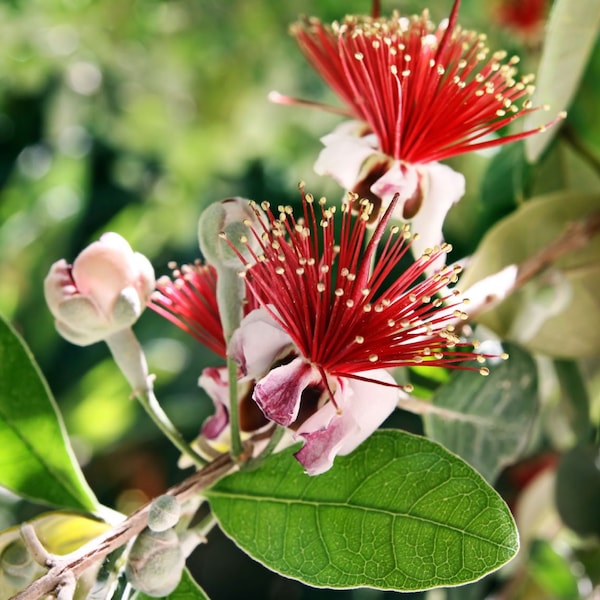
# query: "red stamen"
{"points": [[342, 317], [427, 93]]}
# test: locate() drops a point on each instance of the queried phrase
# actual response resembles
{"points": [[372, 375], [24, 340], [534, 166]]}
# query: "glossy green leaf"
{"points": [[400, 513], [187, 589], [558, 313], [570, 35], [36, 460], [487, 420]]}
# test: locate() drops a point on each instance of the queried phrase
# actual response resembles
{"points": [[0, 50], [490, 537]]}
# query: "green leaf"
{"points": [[36, 460], [570, 35], [400, 513], [558, 313], [486, 420], [187, 589]]}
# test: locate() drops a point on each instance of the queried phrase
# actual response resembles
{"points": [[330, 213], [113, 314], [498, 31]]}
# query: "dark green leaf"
{"points": [[187, 589], [400, 512], [36, 460], [570, 35], [487, 420]]}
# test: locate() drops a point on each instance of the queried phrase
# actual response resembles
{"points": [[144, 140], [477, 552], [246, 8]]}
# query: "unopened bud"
{"points": [[18, 566], [103, 292], [155, 563], [225, 224], [164, 513]]}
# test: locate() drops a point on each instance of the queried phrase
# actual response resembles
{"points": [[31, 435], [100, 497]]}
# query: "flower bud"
{"points": [[104, 291], [223, 224], [164, 513], [155, 563], [17, 564]]}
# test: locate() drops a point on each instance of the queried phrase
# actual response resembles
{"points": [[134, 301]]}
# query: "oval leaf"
{"points": [[571, 328], [399, 513], [187, 589], [36, 460], [487, 420], [570, 35]]}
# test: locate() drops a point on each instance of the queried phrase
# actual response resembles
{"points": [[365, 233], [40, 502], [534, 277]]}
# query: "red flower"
{"points": [[336, 301], [189, 301], [426, 92]]}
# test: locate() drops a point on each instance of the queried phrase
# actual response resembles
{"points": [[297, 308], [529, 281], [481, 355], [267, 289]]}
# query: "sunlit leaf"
{"points": [[187, 589], [570, 35], [400, 512], [59, 533], [36, 460], [488, 419], [571, 288]]}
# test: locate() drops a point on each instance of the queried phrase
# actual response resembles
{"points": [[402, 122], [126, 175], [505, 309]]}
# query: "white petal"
{"points": [[257, 343], [443, 187], [344, 154]]}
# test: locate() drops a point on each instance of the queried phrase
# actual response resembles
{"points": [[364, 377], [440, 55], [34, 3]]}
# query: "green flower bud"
{"points": [[222, 224], [17, 564], [164, 513], [155, 563]]}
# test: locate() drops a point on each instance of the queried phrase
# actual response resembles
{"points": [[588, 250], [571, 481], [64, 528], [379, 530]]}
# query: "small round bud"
{"points": [[155, 563], [223, 225], [164, 513], [104, 291], [17, 564]]}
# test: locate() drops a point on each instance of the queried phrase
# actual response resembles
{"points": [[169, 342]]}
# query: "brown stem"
{"points": [[576, 235], [65, 568]]}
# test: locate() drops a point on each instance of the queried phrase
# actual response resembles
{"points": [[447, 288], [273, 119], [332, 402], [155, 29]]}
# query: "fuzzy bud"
{"points": [[224, 223], [164, 513], [103, 292], [155, 563], [17, 564]]}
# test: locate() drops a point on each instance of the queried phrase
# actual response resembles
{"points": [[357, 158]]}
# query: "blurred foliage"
{"points": [[131, 116]]}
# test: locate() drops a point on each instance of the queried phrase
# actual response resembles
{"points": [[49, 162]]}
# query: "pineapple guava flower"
{"points": [[104, 291], [334, 317], [189, 300], [417, 94]]}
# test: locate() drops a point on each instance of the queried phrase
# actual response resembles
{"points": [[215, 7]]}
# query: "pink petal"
{"points": [[328, 433], [279, 393], [214, 381]]}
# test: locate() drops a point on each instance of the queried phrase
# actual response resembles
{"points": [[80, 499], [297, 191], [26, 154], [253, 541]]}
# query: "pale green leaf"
{"points": [[36, 460], [557, 314], [570, 35], [59, 533], [187, 589], [487, 420], [400, 512]]}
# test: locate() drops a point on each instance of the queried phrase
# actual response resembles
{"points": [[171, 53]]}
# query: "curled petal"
{"points": [[345, 153], [443, 187], [279, 393], [363, 405], [214, 381], [258, 343]]}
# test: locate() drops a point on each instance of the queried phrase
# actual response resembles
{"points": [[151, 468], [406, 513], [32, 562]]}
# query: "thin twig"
{"points": [[575, 236], [65, 568]]}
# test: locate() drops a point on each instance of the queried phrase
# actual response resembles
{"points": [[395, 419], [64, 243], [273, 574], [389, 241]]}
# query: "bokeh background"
{"points": [[131, 116]]}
